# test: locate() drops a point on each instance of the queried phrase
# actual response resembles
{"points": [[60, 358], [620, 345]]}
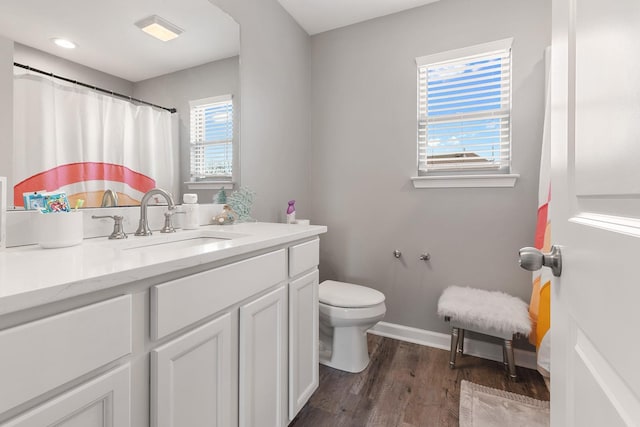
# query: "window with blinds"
{"points": [[211, 128], [464, 105]]}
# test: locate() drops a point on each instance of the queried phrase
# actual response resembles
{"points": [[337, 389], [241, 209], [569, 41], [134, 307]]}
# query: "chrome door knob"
{"points": [[532, 259]]}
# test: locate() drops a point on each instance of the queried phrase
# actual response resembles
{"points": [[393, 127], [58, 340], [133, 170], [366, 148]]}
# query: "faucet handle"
{"points": [[168, 227], [118, 229]]}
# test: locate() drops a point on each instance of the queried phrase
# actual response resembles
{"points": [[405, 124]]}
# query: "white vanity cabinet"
{"points": [[194, 376], [227, 343], [303, 324]]}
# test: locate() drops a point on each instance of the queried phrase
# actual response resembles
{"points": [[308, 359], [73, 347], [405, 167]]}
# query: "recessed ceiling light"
{"points": [[67, 44], [159, 28]]}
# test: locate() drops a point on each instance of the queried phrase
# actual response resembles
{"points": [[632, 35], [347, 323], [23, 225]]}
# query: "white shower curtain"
{"points": [[83, 141]]}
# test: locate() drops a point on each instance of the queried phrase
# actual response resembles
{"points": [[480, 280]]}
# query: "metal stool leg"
{"points": [[461, 342], [504, 357], [454, 347], [508, 348]]}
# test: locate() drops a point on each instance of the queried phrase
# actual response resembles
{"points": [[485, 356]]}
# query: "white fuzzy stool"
{"points": [[487, 312]]}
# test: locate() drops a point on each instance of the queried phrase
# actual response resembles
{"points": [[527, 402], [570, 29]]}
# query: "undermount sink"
{"points": [[173, 245], [166, 243]]}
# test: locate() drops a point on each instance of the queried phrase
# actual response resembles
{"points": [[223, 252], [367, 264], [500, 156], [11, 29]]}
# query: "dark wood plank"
{"points": [[406, 385]]}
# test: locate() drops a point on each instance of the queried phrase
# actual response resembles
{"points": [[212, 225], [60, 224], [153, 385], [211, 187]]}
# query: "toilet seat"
{"points": [[348, 295], [342, 315]]}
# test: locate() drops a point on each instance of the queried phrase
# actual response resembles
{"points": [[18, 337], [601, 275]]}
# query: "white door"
{"points": [[303, 340], [263, 361], [595, 213], [191, 378]]}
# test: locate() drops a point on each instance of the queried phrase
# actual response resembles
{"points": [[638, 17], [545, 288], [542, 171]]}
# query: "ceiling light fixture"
{"points": [[67, 44], [159, 28]]}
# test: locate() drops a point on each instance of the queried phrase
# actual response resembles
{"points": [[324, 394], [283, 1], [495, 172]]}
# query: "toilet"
{"points": [[347, 311]]}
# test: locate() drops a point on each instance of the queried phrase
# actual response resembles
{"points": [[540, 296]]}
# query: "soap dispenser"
{"points": [[191, 210]]}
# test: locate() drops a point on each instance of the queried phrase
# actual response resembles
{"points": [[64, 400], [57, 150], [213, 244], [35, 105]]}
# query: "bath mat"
{"points": [[482, 406]]}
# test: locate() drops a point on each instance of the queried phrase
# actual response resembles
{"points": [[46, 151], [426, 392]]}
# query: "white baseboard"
{"points": [[485, 350]]}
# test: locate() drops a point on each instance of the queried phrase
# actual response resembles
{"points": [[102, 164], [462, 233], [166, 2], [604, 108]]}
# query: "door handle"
{"points": [[532, 259]]}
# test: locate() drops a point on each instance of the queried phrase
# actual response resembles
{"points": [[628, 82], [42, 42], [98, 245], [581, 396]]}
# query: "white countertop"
{"points": [[32, 276]]}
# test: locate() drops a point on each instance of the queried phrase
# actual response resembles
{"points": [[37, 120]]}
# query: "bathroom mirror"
{"points": [[113, 52]]}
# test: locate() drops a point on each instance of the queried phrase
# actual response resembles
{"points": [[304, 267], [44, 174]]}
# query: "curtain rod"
{"points": [[108, 92]]}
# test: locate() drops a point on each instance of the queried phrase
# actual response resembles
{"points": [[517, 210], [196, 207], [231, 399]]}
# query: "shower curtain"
{"points": [[80, 141], [540, 306]]}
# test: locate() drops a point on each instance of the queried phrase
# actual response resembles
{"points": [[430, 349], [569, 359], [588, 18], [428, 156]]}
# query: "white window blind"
{"points": [[464, 106], [212, 139]]}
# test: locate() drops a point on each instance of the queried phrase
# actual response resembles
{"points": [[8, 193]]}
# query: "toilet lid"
{"points": [[348, 295]]}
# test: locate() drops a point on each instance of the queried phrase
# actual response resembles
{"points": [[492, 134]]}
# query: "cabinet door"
{"points": [[303, 340], [102, 402], [263, 361], [191, 378]]}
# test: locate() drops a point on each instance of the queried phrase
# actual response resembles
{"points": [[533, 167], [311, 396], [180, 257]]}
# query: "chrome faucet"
{"points": [[143, 227], [109, 196]]}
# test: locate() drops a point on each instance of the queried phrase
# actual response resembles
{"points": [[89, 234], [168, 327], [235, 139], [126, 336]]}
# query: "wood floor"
{"points": [[406, 385]]}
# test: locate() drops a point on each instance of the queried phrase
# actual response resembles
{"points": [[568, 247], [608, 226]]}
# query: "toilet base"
{"points": [[348, 350]]}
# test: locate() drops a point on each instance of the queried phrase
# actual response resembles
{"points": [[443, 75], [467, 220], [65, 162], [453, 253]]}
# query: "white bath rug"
{"points": [[482, 406]]}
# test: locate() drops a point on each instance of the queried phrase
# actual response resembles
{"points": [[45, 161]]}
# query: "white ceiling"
{"points": [[109, 41], [317, 16]]}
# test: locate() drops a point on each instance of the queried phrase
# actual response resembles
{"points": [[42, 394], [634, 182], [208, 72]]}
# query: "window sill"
{"points": [[210, 185], [465, 181]]}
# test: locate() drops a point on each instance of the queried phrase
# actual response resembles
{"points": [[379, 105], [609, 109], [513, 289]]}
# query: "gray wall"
{"points": [[54, 64], [364, 152], [275, 76], [177, 89]]}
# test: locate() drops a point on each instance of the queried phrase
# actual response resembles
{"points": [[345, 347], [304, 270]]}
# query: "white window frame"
{"points": [[212, 181], [462, 174]]}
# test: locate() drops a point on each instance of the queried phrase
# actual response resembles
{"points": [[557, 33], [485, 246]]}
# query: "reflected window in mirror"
{"points": [[211, 139]]}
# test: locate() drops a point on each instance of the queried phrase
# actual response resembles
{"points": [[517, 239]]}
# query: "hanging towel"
{"points": [[540, 306]]}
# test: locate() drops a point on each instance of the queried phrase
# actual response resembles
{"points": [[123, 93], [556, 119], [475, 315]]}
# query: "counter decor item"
{"points": [[3, 212], [59, 229], [191, 211], [241, 202], [33, 200], [56, 225], [291, 212], [221, 197], [227, 216]]}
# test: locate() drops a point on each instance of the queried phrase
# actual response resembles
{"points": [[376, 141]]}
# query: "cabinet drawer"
{"points": [[181, 302], [61, 348], [303, 257]]}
